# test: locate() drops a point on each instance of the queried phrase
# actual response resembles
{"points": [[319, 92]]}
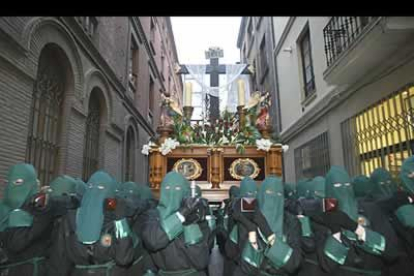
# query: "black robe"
{"points": [[79, 259], [174, 255], [23, 243], [142, 259], [357, 258], [292, 230], [404, 266]]}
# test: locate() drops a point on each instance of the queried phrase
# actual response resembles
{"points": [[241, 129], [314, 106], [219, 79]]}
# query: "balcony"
{"points": [[355, 45]]}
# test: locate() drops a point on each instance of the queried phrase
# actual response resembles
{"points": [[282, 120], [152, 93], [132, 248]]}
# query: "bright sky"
{"points": [[194, 35]]}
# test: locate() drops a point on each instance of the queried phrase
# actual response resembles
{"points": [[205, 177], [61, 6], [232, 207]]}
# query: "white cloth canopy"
{"points": [[226, 92]]}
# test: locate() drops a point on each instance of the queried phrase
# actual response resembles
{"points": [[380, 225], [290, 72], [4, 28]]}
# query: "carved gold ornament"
{"points": [[244, 167], [189, 168]]}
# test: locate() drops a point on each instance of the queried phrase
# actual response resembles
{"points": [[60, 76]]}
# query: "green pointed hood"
{"points": [[80, 187], [383, 182], [174, 187], [290, 190], [234, 192], [302, 187], [316, 188], [271, 203], [90, 214], [248, 187], [62, 185], [338, 185], [130, 192], [22, 184], [407, 174], [363, 186]]}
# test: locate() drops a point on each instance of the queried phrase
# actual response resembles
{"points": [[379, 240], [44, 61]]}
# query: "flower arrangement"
{"points": [[228, 130]]}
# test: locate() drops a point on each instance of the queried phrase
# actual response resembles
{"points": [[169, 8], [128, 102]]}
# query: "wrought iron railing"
{"points": [[341, 32]]}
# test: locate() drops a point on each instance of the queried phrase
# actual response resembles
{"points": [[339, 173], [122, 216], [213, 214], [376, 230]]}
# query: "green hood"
{"points": [[316, 188], [80, 187], [363, 186], [302, 187], [22, 184], [290, 190], [90, 215], [271, 203], [63, 185], [248, 187], [383, 183], [338, 185], [130, 192], [234, 192], [174, 188], [407, 174]]}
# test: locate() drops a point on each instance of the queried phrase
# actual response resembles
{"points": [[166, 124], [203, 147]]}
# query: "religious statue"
{"points": [[258, 109], [169, 110]]}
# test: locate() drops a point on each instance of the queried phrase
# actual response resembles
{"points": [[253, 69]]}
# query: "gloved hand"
{"points": [[60, 204], [261, 221], [246, 219], [188, 206], [336, 220]]}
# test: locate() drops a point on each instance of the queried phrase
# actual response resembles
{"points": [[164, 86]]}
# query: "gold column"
{"points": [[215, 167]]}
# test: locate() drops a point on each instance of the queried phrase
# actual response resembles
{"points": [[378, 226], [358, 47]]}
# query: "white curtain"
{"points": [[227, 92], [233, 74]]}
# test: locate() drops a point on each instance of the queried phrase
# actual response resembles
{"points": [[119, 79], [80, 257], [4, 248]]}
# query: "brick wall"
{"points": [[18, 65]]}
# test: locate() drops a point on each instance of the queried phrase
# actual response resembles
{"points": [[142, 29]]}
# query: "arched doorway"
{"points": [[43, 142]]}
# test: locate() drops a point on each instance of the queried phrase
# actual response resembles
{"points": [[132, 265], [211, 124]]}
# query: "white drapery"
{"points": [[227, 92]]}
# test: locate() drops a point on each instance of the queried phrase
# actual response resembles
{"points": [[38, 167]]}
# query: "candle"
{"points": [[241, 92], [188, 93]]}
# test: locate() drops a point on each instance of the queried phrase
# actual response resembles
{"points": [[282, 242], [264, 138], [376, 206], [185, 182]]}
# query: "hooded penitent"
{"points": [[21, 185], [316, 188], [90, 215], [271, 203], [383, 183], [302, 187], [234, 192], [80, 187], [248, 187], [130, 192], [405, 213], [363, 186], [338, 185], [63, 185], [407, 174], [290, 190], [174, 188]]}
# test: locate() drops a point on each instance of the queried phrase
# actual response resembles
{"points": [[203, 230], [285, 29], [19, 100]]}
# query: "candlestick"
{"points": [[188, 93], [241, 92]]}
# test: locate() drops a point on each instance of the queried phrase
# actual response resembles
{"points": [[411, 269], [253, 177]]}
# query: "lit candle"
{"points": [[241, 92], [188, 93]]}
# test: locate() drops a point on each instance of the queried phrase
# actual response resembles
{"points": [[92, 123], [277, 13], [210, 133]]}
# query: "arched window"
{"points": [[93, 124], [45, 116], [130, 155]]}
